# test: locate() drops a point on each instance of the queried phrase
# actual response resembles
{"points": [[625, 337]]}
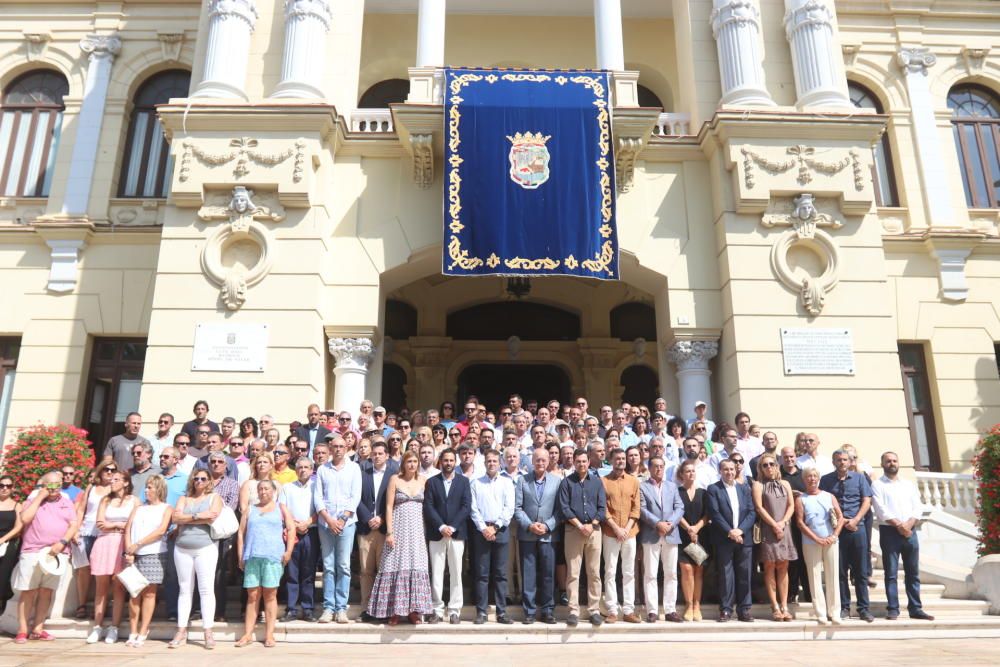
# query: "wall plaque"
{"points": [[230, 347], [817, 351]]}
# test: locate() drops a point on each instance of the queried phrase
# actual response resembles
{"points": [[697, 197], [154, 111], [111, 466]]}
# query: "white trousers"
{"points": [[196, 563], [446, 550], [824, 562], [612, 549], [652, 556]]}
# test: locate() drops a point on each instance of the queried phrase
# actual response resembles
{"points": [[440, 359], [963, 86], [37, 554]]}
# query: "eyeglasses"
{"points": [[395, 440], [302, 449], [137, 452], [203, 432], [769, 464], [280, 452], [343, 419], [182, 444], [455, 434], [53, 486], [235, 443], [201, 479], [218, 462], [6, 486], [736, 460], [163, 421], [68, 472], [313, 414], [110, 470], [506, 413]]}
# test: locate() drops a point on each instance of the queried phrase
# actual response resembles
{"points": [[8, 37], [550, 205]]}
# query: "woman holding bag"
{"points": [[146, 548], [263, 548], [196, 555], [98, 485], [106, 557]]}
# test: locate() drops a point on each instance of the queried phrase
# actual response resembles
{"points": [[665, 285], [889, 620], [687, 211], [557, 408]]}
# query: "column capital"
{"points": [[692, 354], [101, 46], [733, 11], [811, 14], [352, 352], [242, 10], [309, 9], [915, 60]]}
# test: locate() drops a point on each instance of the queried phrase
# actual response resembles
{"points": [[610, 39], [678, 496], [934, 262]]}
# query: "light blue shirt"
{"points": [[492, 501], [338, 490], [176, 487], [298, 498]]}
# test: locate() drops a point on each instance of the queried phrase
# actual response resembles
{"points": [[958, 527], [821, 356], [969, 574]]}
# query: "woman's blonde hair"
{"points": [[253, 464], [408, 454], [159, 487], [760, 467]]}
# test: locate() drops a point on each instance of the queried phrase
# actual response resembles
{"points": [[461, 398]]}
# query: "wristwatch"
{"points": [[65, 543]]}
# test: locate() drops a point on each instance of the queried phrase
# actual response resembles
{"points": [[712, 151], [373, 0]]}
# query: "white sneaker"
{"points": [[341, 617], [325, 617], [112, 635], [95, 635]]}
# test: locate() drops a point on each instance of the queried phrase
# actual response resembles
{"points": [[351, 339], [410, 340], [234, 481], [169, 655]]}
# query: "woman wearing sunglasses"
{"points": [[87, 504], [106, 557], [196, 555], [775, 505], [10, 529]]}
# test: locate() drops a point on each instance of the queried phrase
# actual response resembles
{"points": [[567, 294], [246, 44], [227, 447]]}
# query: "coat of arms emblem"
{"points": [[231, 339], [529, 159]]}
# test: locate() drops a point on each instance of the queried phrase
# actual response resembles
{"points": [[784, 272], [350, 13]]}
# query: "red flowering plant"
{"points": [[986, 464], [41, 449]]}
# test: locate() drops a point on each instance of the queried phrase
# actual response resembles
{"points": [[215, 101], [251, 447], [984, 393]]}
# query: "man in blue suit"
{"points": [[371, 518], [730, 506], [535, 497], [660, 512], [447, 503]]}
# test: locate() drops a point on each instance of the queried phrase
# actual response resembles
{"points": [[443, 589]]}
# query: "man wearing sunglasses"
{"points": [[163, 437], [119, 447], [142, 468], [312, 431]]}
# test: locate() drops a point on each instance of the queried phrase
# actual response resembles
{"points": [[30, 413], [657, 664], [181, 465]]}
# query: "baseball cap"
{"points": [[559, 422], [378, 408], [698, 404]]}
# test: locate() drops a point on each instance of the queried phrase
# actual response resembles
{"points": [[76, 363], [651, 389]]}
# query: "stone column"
{"points": [[102, 50], [816, 55], [430, 33], [914, 63], [230, 23], [353, 357], [608, 31], [302, 65], [691, 358], [736, 27]]}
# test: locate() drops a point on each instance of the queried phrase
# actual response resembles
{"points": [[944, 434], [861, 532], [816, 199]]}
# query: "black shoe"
{"points": [[871, 584], [651, 617], [171, 618], [367, 618], [504, 619], [725, 616], [290, 615], [921, 615], [548, 619], [866, 616], [892, 616], [596, 620], [480, 619], [845, 614], [454, 619], [745, 617], [528, 620], [572, 620], [433, 619], [563, 599]]}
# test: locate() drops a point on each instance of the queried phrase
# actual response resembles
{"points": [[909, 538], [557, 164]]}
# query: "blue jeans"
{"points": [[336, 566], [895, 545], [853, 551], [538, 571]]}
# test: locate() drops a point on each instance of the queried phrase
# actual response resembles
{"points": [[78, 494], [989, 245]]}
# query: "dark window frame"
{"points": [[863, 98], [921, 377], [973, 160], [44, 101], [115, 368]]}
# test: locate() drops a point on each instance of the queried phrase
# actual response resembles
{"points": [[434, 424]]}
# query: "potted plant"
{"points": [[41, 449]]}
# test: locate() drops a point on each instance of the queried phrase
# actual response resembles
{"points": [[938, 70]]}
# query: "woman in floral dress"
{"points": [[402, 586]]}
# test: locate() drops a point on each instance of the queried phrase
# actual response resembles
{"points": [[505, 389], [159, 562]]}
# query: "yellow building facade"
{"points": [[787, 170]]}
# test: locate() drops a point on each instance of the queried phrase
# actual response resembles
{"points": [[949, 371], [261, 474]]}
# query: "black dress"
{"points": [[9, 560], [694, 511]]}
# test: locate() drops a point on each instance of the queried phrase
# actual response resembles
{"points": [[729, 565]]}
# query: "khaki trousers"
{"points": [[586, 551], [369, 554], [823, 565]]}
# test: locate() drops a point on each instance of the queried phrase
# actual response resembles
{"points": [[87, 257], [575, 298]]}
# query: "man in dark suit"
{"points": [[730, 506], [447, 503], [312, 431], [371, 518], [535, 502]]}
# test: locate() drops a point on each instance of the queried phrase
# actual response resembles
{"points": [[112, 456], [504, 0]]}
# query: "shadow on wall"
{"points": [[984, 414]]}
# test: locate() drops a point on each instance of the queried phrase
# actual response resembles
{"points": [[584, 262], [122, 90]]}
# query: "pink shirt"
{"points": [[49, 525]]}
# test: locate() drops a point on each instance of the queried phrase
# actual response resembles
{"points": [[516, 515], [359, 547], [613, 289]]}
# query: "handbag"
{"points": [[225, 525], [78, 555], [133, 580], [758, 535], [696, 552]]}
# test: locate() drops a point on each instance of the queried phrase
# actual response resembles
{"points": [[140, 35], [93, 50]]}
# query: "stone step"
{"points": [[965, 626]]}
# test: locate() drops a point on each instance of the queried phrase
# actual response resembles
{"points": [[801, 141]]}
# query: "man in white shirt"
{"points": [[492, 511], [812, 459], [748, 445], [162, 438], [301, 569], [337, 493], [426, 455], [898, 510]]}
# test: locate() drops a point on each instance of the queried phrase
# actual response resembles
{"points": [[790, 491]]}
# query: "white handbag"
{"points": [[225, 525], [78, 555], [133, 580]]}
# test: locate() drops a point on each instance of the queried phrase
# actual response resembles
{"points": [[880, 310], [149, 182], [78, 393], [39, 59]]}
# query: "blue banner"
{"points": [[529, 174]]}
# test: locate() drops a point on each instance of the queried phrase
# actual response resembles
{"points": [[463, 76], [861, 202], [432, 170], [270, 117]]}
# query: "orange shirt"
{"points": [[623, 503]]}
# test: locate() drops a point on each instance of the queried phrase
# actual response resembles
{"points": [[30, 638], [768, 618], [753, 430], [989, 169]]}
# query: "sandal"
{"points": [[209, 640], [415, 618], [81, 613], [245, 640], [777, 615], [180, 639], [785, 616], [270, 643], [42, 636], [21, 638]]}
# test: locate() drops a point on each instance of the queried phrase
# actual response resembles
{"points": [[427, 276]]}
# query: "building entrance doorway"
{"points": [[494, 383]]}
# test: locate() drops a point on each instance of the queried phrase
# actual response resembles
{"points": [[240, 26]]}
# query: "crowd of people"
{"points": [[534, 504]]}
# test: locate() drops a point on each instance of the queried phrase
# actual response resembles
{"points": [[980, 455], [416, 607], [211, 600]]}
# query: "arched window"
{"points": [[400, 319], [885, 180], [647, 98], [393, 387], [384, 93], [147, 165], [30, 122], [640, 386], [976, 124], [633, 320]]}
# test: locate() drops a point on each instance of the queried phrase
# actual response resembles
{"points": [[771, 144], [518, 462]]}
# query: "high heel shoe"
{"points": [[688, 613], [776, 614], [130, 642], [180, 639], [209, 640], [697, 613], [139, 640], [785, 616]]}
